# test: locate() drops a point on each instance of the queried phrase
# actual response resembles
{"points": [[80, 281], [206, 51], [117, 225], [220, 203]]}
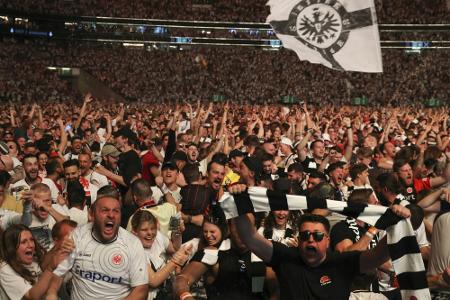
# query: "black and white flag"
{"points": [[402, 244], [340, 34]]}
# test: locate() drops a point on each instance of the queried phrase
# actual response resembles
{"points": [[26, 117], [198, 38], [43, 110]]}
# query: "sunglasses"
{"points": [[317, 235]]}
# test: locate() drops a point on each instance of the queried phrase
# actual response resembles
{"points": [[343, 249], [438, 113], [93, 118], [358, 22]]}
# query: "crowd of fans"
{"points": [[239, 74], [159, 170], [130, 200], [403, 11]]}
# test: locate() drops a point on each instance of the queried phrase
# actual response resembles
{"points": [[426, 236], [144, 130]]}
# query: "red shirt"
{"points": [[148, 161]]}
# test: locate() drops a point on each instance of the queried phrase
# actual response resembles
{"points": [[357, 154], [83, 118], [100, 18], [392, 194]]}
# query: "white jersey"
{"points": [[54, 192], [104, 271]]}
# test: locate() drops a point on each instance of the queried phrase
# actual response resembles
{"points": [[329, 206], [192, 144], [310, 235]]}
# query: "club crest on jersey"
{"points": [[409, 190], [117, 259], [325, 280]]}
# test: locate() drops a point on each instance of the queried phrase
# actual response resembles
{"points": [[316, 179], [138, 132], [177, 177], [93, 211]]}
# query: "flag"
{"points": [[402, 244], [340, 34]]}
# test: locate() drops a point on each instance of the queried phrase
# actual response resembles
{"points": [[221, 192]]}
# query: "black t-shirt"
{"points": [[309, 164], [130, 165], [348, 229], [234, 277], [330, 280]]}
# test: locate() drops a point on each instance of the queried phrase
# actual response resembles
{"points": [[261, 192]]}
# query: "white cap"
{"points": [[286, 141]]}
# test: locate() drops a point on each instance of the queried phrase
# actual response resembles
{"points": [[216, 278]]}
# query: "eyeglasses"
{"points": [[317, 235]]}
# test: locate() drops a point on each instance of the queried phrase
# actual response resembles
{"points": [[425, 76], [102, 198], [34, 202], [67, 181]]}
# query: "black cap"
{"points": [[169, 165], [254, 165], [125, 131], [336, 165], [179, 155], [235, 153]]}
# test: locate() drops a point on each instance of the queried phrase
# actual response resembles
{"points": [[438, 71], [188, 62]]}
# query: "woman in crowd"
{"points": [[158, 247], [229, 269], [21, 275]]}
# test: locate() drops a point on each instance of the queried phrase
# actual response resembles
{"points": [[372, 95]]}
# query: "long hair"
{"points": [[10, 241], [216, 217], [269, 221]]}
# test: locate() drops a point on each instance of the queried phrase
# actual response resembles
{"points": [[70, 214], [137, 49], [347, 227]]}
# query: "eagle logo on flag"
{"points": [[322, 25]]}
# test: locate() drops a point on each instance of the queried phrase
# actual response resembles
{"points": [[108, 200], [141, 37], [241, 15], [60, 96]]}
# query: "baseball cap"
{"points": [[110, 150], [169, 165], [179, 155], [286, 141]]}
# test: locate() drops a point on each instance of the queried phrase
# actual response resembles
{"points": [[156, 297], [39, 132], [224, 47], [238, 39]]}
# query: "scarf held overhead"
{"points": [[402, 244]]}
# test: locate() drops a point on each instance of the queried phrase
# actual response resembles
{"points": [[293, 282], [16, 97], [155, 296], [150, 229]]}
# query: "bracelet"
{"points": [[185, 295], [189, 219], [349, 127]]}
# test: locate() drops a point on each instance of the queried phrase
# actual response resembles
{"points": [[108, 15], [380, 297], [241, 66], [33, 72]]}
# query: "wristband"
{"points": [[189, 219], [185, 295], [349, 127]]}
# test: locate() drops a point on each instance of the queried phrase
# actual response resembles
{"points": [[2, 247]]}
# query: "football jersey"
{"points": [[104, 271]]}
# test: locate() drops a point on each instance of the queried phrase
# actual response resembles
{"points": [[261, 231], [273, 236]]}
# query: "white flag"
{"points": [[340, 34]]}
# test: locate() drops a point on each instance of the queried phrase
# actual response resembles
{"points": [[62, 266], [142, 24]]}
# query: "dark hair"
{"points": [[311, 218], [360, 196], [317, 174], [56, 230], [314, 142], [216, 217], [141, 189], [29, 156], [10, 241], [390, 182], [209, 167], [220, 158], [269, 221], [52, 165], [4, 177], [365, 152], [142, 216], [71, 163], [296, 167], [252, 141], [75, 193], [357, 169], [398, 163]]}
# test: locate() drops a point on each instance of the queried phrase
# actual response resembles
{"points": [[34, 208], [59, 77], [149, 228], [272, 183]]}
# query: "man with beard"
{"points": [[95, 178], [109, 165], [72, 173], [411, 185], [31, 169], [108, 262], [76, 146], [197, 199]]}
